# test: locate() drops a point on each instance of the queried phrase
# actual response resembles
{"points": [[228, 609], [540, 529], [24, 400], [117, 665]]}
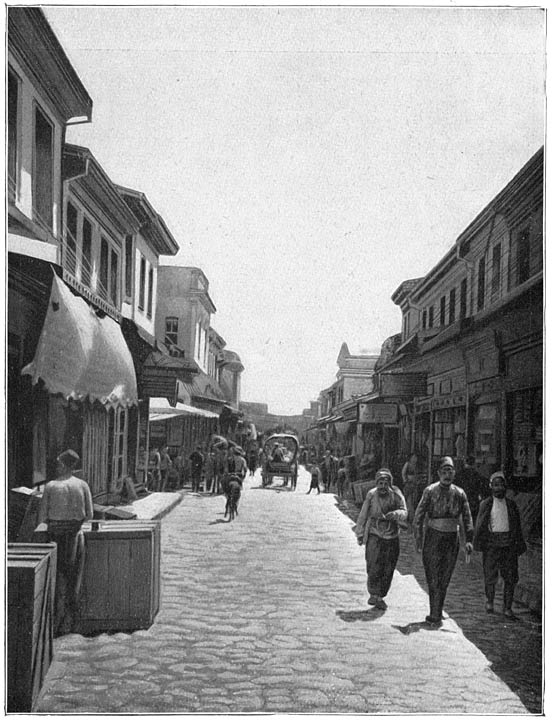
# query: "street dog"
{"points": [[232, 487]]}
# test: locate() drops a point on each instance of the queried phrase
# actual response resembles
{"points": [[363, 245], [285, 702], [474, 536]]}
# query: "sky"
{"points": [[308, 159]]}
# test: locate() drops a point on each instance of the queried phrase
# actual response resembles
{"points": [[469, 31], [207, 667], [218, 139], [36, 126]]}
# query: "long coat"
{"points": [[481, 534]]}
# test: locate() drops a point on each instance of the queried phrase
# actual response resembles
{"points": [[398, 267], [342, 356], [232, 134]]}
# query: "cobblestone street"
{"points": [[268, 613]]}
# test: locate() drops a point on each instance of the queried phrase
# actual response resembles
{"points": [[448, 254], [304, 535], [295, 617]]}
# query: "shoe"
{"points": [[434, 622], [372, 600], [508, 613], [489, 607], [381, 604]]}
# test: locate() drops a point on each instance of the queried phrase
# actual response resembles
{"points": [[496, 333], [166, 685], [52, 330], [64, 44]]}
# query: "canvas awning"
{"points": [[80, 355], [162, 409]]}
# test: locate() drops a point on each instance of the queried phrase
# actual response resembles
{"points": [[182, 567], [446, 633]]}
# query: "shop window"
{"points": [[485, 435], [118, 441], [449, 427], [526, 435], [43, 176]]}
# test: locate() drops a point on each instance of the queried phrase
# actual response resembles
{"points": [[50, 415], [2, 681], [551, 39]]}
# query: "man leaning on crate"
{"points": [[65, 505]]}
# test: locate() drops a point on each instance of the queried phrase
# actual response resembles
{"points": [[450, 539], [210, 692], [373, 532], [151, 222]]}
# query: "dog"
{"points": [[232, 487]]}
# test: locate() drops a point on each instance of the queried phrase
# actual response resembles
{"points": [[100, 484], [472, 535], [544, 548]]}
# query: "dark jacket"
{"points": [[481, 534]]}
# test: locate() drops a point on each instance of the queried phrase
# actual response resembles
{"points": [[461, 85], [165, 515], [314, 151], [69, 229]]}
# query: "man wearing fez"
{"points": [[65, 505], [498, 536], [444, 505], [378, 529]]}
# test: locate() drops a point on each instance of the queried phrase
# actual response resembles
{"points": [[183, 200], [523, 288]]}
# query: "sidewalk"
{"points": [[155, 505]]}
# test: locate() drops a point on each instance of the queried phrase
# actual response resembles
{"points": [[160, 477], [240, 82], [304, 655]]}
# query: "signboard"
{"points": [[402, 384], [377, 413]]}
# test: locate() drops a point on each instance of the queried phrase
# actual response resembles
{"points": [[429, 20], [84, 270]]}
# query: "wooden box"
{"points": [[31, 598], [121, 581]]}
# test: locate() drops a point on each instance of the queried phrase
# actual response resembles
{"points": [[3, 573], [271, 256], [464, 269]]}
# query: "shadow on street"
{"points": [[513, 649]]}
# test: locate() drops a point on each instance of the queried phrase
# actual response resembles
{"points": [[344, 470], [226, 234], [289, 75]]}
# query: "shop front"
{"points": [[84, 393]]}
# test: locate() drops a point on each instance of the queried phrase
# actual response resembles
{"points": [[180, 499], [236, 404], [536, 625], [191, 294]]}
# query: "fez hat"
{"points": [[446, 462], [384, 473], [497, 474], [69, 458]]}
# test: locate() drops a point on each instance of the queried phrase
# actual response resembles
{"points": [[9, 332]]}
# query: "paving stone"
{"points": [[252, 621]]}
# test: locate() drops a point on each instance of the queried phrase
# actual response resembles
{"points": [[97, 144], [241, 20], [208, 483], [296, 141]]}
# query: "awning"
{"points": [[161, 407], [80, 355], [159, 417], [23, 245]]}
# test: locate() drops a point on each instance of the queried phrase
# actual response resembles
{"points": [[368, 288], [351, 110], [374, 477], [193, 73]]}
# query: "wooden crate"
{"points": [[31, 598], [121, 581]]}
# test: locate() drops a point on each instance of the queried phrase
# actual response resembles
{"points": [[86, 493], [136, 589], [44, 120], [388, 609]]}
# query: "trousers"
{"points": [[381, 561], [439, 556], [70, 563]]}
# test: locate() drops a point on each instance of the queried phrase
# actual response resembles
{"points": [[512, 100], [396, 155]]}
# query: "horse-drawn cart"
{"points": [[281, 459]]}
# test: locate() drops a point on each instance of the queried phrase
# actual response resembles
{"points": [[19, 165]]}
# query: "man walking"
{"points": [[444, 505], [65, 504], [378, 529], [315, 478], [498, 536], [196, 467]]}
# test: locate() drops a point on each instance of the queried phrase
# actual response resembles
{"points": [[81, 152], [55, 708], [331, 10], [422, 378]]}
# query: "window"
{"points": [[43, 192], [104, 268], [142, 295], [424, 319], [452, 305], [442, 311], [495, 281], [86, 252], [150, 291], [118, 436], [171, 331], [71, 239], [481, 284], [431, 316], [129, 258], [463, 298], [523, 254], [114, 278], [13, 133]]}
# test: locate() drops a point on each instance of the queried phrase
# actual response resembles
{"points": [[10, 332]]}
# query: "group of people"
{"points": [[442, 509], [330, 473], [206, 466]]}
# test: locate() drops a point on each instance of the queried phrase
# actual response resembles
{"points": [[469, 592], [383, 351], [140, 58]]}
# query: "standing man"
{"points": [[165, 464], [196, 463], [444, 505], [315, 478], [498, 535], [473, 484], [65, 505], [378, 529]]}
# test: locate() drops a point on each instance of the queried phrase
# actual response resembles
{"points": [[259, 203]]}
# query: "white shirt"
{"points": [[499, 516], [67, 499]]}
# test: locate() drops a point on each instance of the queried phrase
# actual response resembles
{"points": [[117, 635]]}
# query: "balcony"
{"points": [[78, 273]]}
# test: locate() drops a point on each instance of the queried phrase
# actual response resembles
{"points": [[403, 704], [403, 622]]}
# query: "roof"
{"points": [[80, 164], [35, 45], [404, 290], [152, 225]]}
